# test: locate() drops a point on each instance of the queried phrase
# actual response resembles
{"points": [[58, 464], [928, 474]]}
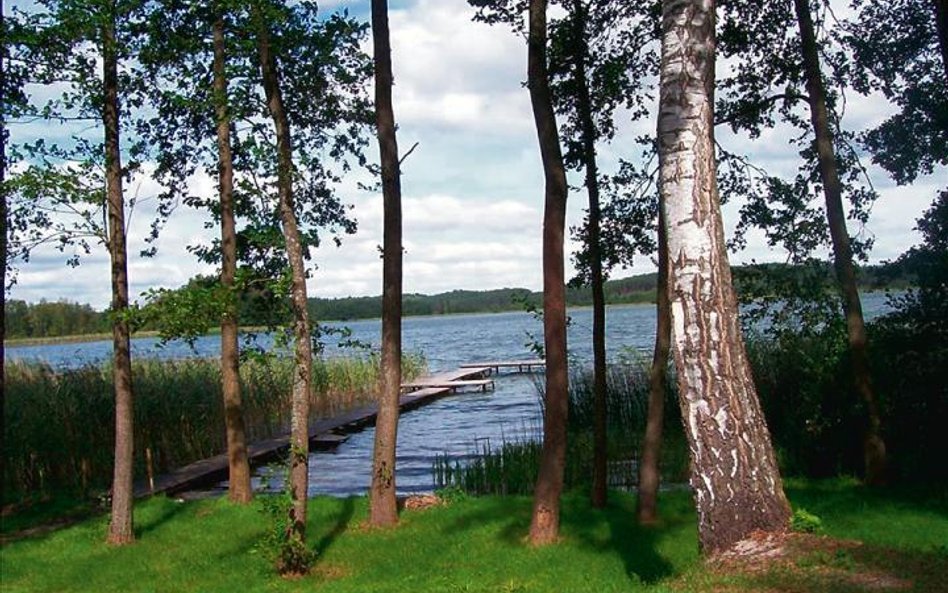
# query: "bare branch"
{"points": [[410, 150]]}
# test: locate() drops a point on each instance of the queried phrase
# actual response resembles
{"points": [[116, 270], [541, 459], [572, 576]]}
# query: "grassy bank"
{"points": [[58, 434], [476, 545]]}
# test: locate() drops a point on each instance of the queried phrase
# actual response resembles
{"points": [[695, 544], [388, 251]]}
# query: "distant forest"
{"points": [[48, 319]]}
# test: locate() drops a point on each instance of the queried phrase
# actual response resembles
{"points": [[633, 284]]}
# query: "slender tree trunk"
{"points": [[120, 528], [941, 27], [303, 356], [239, 488], [734, 472], [382, 505], [545, 522], [873, 445], [649, 474], [599, 487]]}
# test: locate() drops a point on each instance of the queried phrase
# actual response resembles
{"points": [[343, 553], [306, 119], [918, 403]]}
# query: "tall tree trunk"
{"points": [[382, 505], [734, 472], [545, 521], [941, 27], [120, 527], [239, 489], [599, 487], [3, 239], [873, 446], [302, 347], [649, 473]]}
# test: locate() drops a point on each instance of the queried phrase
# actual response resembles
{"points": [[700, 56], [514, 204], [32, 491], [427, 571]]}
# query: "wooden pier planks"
{"points": [[326, 433], [495, 366], [484, 384]]}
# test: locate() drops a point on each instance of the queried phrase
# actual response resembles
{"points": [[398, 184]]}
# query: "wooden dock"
{"points": [[483, 384], [324, 434], [522, 366]]}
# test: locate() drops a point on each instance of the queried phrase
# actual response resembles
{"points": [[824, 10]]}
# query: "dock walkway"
{"points": [[324, 434], [522, 366]]}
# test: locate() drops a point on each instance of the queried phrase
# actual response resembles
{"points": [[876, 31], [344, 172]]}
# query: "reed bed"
{"points": [[511, 468], [59, 425]]}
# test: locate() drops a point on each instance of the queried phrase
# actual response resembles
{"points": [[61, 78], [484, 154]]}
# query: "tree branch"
{"points": [[759, 106], [410, 150]]}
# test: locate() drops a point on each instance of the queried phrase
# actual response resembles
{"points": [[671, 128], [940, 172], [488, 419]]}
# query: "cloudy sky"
{"points": [[472, 189]]}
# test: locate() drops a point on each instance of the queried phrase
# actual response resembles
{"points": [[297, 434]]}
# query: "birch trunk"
{"points": [[302, 354], [239, 488], [120, 526], [383, 509], [874, 451], [545, 521], [734, 472]]}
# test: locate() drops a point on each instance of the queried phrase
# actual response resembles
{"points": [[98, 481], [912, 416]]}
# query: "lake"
{"points": [[458, 425]]}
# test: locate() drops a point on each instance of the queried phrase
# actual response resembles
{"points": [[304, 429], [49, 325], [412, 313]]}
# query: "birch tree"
{"points": [[734, 472]]}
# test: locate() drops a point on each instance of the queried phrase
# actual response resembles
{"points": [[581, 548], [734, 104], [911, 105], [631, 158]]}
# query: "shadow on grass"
{"points": [[156, 518], [843, 496], [615, 530], [340, 524], [612, 530], [511, 513], [861, 569]]}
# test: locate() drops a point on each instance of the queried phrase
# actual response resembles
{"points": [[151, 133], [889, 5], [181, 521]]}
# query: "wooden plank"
{"points": [[505, 363], [449, 384], [520, 365]]}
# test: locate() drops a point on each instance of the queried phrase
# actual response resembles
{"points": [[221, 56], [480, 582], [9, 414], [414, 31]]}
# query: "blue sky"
{"points": [[472, 190]]}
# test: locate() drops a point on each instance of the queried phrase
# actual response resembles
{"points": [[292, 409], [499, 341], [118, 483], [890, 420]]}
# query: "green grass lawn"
{"points": [[471, 545]]}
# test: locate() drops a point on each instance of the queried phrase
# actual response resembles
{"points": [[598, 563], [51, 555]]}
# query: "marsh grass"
{"points": [[511, 468], [58, 433]]}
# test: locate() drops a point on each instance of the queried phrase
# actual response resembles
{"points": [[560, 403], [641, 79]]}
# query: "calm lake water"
{"points": [[459, 425]]}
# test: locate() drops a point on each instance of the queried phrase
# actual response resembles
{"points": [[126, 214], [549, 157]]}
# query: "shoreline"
{"points": [[102, 337]]}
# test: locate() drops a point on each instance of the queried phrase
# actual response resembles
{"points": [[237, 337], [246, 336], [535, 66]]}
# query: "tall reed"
{"points": [[511, 468], [58, 433]]}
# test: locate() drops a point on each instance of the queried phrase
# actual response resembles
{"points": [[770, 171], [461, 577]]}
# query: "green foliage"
{"points": [[804, 521], [451, 494], [894, 48], [48, 319], [58, 429], [280, 543], [188, 312]]}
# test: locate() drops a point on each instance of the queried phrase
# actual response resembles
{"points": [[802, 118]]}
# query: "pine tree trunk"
{"points": [[120, 527], [734, 472], [873, 445], [649, 462], [383, 510], [545, 521], [302, 353], [941, 27], [239, 488], [598, 496]]}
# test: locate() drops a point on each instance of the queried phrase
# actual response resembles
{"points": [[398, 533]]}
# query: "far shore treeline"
{"points": [[49, 319]]}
